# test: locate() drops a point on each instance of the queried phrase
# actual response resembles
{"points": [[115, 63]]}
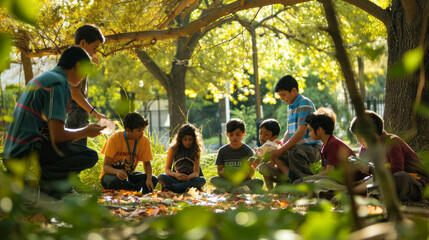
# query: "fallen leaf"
{"points": [[373, 210], [37, 218], [153, 211]]}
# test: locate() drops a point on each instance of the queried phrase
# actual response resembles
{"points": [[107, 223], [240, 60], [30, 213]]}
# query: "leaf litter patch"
{"points": [[131, 205]]}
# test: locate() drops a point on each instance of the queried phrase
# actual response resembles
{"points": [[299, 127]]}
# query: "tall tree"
{"points": [[174, 81]]}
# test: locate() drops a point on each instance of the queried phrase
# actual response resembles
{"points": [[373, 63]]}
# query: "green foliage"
{"points": [[6, 46], [325, 224], [24, 10], [249, 223]]}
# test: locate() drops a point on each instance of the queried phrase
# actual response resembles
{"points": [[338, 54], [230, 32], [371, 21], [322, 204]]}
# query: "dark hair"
{"points": [[357, 123], [234, 124], [323, 117], [71, 56], [271, 125], [286, 83], [88, 32], [135, 120], [188, 129]]}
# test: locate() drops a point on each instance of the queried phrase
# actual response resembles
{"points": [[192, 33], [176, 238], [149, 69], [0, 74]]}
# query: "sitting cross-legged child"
{"points": [[409, 175], [184, 156], [230, 162], [269, 130], [123, 151], [334, 152]]}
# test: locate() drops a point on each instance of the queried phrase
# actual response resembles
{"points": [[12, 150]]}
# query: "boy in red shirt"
{"points": [[407, 170], [321, 125]]}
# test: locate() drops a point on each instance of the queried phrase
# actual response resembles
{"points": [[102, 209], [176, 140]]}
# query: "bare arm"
{"points": [[83, 103], [196, 171], [61, 134], [220, 170], [169, 162], [286, 137], [148, 170], [297, 136]]}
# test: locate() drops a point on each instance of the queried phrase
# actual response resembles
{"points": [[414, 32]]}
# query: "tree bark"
{"points": [[252, 31], [28, 68], [361, 77], [174, 82], [401, 92]]}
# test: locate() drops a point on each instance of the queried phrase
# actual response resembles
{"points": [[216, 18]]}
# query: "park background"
{"points": [[155, 62]]}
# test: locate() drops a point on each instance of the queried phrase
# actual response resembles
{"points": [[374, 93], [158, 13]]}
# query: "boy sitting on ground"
{"points": [[299, 150], [334, 152], [407, 170], [269, 130], [230, 159], [123, 151], [321, 125]]}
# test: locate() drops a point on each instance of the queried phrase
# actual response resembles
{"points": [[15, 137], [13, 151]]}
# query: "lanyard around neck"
{"points": [[129, 150]]}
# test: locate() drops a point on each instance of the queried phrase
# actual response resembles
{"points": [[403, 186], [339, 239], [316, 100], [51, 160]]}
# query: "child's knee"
{"points": [[264, 169]]}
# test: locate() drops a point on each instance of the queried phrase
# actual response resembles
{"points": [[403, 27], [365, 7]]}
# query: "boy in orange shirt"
{"points": [[123, 150]]}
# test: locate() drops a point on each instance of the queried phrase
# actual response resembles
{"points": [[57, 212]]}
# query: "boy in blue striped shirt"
{"points": [[299, 149]]}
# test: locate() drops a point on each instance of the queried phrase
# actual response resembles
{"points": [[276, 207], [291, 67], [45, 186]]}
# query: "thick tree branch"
{"points": [[196, 25], [138, 46], [372, 9], [153, 68]]}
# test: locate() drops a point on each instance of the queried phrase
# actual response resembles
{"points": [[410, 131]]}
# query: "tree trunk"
{"points": [[361, 77], [401, 92], [252, 31], [174, 82], [28, 68], [176, 91]]}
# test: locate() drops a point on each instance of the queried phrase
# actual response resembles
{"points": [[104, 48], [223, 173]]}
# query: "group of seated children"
{"points": [[308, 138], [183, 171], [39, 127]]}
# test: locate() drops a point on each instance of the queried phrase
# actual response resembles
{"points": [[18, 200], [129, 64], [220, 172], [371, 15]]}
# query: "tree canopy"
{"points": [[146, 25]]}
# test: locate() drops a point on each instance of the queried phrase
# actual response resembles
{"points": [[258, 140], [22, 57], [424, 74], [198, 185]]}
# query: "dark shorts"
{"points": [[299, 158]]}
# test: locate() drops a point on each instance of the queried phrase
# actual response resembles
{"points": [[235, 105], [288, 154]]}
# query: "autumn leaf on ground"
{"points": [[193, 192], [38, 218]]}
